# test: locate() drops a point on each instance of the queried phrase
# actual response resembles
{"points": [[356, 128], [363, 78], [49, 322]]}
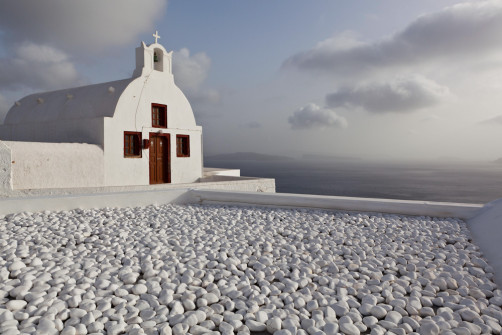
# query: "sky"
{"points": [[386, 80]]}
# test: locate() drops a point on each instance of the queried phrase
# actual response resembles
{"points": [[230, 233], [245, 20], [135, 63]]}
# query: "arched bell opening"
{"points": [[158, 59]]}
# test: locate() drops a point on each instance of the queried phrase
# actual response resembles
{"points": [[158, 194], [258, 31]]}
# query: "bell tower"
{"points": [[153, 57]]}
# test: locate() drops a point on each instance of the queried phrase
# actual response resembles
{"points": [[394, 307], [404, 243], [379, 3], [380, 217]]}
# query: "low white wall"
{"points": [[221, 172], [88, 201], [5, 167], [246, 184], [55, 165], [236, 184], [186, 195], [406, 207], [486, 230]]}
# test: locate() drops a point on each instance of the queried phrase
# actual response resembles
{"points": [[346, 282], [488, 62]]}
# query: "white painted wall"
{"points": [[5, 167], [133, 113], [186, 195], [405, 207], [486, 229], [54, 165], [221, 172], [144, 59], [88, 130], [88, 201], [237, 184], [246, 184]]}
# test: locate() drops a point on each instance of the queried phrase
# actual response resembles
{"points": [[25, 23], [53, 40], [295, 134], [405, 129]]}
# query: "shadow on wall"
{"points": [[486, 230], [3, 111]]}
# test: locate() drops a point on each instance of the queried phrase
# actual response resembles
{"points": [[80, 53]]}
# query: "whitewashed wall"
{"points": [[5, 167], [99, 114], [133, 113], [53, 165], [83, 130]]}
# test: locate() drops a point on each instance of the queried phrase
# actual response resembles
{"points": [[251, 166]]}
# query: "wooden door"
{"points": [[159, 159]]}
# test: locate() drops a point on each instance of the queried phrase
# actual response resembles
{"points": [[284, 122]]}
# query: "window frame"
{"points": [[179, 152], [137, 154], [162, 115]]}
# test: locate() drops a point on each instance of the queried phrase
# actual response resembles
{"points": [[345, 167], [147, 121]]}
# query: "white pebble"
{"points": [[14, 305], [139, 289], [255, 326]]}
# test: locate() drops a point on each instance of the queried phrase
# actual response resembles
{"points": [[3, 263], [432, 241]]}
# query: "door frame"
{"points": [[167, 157]]}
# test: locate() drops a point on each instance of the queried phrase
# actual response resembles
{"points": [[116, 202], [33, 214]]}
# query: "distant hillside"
{"points": [[498, 161], [318, 157], [248, 156]]}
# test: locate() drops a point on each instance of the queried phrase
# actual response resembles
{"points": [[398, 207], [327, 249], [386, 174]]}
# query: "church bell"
{"points": [[155, 58]]}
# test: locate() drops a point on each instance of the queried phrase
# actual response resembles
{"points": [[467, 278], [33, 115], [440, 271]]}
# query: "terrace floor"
{"points": [[222, 269]]}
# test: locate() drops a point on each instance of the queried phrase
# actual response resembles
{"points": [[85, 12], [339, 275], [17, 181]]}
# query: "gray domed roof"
{"points": [[91, 101]]}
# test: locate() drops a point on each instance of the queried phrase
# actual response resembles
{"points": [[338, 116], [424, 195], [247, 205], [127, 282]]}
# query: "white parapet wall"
{"points": [[5, 167], [97, 200], [406, 207], [123, 196], [200, 196], [486, 230], [229, 183], [36, 165], [207, 172]]}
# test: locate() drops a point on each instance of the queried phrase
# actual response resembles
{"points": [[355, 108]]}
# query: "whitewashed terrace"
{"points": [[179, 269]]}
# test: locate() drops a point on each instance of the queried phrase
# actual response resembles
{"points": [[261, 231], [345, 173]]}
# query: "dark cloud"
{"points": [[313, 116], [399, 95], [468, 31], [40, 39], [252, 125], [78, 26]]}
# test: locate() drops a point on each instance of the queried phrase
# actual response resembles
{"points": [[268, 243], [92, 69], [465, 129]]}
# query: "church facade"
{"points": [[136, 131]]}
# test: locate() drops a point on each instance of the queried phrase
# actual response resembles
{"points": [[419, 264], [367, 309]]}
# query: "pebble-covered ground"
{"points": [[219, 269]]}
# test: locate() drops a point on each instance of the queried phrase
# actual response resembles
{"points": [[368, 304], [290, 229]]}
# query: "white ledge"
{"points": [[405, 207], [130, 198]]}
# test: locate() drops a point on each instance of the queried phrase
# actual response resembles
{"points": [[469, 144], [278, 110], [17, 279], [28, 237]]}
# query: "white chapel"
{"points": [[135, 131]]}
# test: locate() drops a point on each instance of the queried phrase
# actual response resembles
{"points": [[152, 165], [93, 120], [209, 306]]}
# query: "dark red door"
{"points": [[159, 159]]}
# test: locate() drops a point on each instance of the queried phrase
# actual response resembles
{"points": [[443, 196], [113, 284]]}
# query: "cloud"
{"points": [[203, 96], [430, 118], [464, 31], [190, 72], [85, 26], [37, 66], [252, 125], [313, 116], [405, 94], [41, 40], [497, 120]]}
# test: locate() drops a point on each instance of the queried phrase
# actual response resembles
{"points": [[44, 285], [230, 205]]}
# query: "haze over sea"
{"points": [[431, 181]]}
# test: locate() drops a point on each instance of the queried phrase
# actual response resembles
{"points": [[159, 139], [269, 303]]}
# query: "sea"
{"points": [[476, 183]]}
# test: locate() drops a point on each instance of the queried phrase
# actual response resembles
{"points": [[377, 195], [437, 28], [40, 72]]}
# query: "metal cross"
{"points": [[156, 35]]}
